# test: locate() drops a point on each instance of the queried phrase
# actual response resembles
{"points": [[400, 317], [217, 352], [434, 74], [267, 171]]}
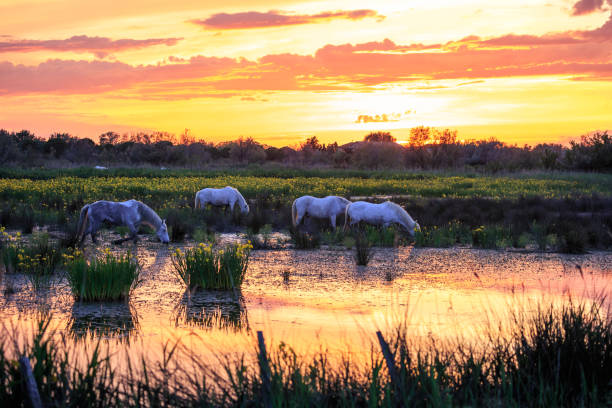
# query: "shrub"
{"points": [[203, 267], [106, 278]]}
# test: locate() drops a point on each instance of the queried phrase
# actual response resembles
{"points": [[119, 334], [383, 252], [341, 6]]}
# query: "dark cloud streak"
{"points": [[99, 46], [255, 19]]}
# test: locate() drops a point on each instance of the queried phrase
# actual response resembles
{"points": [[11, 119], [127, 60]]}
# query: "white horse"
{"points": [[221, 196], [326, 207], [131, 213], [384, 214]]}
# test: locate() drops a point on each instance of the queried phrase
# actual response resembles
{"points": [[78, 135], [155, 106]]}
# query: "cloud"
{"points": [[99, 46], [588, 6], [83, 77], [255, 19], [385, 117], [581, 55]]}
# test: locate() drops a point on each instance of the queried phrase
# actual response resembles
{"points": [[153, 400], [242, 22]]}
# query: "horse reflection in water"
{"points": [[214, 310], [106, 320]]}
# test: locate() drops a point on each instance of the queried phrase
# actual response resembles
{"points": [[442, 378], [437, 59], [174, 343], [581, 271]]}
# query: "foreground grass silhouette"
{"points": [[553, 356]]}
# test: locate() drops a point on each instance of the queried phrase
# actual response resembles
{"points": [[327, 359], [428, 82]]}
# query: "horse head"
{"points": [[244, 207], [162, 233]]}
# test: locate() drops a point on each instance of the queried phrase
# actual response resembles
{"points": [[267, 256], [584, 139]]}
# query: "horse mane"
{"points": [[148, 215], [401, 214], [344, 200]]}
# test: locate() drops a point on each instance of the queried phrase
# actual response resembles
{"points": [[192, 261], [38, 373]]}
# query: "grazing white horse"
{"points": [[221, 196], [131, 213], [384, 214], [326, 207]]}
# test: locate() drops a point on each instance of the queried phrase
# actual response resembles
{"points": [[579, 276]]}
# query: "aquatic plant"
{"points": [[490, 237], [204, 235], [363, 249], [572, 237], [304, 240], [443, 236], [385, 237], [10, 247], [553, 356], [70, 230], [207, 268], [107, 277], [261, 240], [37, 260], [179, 224]]}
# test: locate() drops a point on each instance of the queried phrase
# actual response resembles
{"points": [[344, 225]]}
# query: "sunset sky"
{"points": [[280, 71]]}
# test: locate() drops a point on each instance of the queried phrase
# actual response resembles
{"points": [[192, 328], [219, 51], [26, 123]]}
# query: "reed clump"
{"points": [[106, 278], [304, 240], [363, 249], [554, 356], [37, 259], [206, 268]]}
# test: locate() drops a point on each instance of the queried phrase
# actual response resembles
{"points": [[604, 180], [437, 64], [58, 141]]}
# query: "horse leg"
{"points": [[332, 220], [299, 218], [92, 229], [133, 232], [85, 233]]}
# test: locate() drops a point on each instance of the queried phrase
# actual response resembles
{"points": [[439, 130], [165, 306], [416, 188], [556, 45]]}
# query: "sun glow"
{"points": [[487, 70]]}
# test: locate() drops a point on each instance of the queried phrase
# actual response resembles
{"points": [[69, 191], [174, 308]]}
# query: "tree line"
{"points": [[427, 148]]}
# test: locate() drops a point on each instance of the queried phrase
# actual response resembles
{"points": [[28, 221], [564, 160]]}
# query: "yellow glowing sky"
{"points": [[521, 71]]}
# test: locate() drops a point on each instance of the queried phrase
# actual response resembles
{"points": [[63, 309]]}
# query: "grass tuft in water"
{"points": [[37, 260], [206, 268], [304, 240], [105, 278], [363, 249]]}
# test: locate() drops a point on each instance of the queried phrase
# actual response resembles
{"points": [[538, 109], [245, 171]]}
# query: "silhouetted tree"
{"points": [[380, 137], [58, 143], [419, 136], [312, 143], [109, 138]]}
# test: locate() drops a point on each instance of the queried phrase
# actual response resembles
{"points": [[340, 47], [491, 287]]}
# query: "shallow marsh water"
{"points": [[313, 300]]}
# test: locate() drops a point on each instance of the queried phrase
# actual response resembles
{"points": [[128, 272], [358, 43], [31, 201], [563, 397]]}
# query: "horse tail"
{"points": [[83, 218], [197, 202], [347, 218], [294, 213]]}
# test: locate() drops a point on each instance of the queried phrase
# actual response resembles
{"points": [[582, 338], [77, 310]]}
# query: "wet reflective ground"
{"points": [[314, 300]]}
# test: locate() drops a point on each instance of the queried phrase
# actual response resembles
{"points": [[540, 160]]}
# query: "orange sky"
{"points": [[522, 71]]}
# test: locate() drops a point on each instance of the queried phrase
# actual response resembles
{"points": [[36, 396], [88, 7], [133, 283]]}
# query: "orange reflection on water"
{"points": [[325, 304]]}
